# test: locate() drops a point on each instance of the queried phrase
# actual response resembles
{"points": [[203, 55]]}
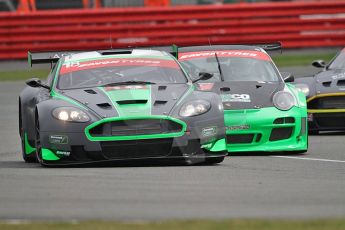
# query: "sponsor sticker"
{"points": [[237, 127], [209, 131], [69, 67], [235, 97], [225, 53], [63, 153], [127, 87], [338, 76], [58, 139]]}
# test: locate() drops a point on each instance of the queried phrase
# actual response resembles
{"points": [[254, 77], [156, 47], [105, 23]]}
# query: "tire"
{"points": [[298, 152], [313, 132], [214, 160], [38, 140], [31, 158]]}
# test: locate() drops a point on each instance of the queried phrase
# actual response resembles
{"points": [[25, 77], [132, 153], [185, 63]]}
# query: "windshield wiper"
{"points": [[219, 68], [130, 83]]}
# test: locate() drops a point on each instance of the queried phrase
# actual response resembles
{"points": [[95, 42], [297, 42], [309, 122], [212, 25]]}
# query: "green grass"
{"points": [[23, 75], [336, 224], [286, 60], [283, 60]]}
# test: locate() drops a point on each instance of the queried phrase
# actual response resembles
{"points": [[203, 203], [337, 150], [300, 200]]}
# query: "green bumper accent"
{"points": [[56, 95], [137, 137], [218, 146], [28, 148], [260, 123], [48, 155]]}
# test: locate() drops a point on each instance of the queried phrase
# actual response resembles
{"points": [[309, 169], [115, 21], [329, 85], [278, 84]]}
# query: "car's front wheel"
{"points": [[29, 158], [313, 132], [38, 141], [214, 160]]}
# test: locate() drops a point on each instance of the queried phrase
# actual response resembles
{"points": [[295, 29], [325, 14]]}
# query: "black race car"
{"points": [[326, 95], [119, 105]]}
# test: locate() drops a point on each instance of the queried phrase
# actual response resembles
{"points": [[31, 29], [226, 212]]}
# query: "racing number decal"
{"points": [[235, 98]]}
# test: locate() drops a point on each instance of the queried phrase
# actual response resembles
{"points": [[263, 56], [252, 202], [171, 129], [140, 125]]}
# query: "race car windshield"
{"points": [[100, 76], [338, 62], [232, 69]]}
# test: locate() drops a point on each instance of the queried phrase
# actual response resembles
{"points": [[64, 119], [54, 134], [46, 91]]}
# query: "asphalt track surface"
{"points": [[291, 186]]}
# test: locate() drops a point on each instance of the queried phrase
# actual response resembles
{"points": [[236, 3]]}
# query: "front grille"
{"points": [[284, 120], [281, 133], [136, 127], [330, 120], [136, 148], [331, 102], [239, 138]]}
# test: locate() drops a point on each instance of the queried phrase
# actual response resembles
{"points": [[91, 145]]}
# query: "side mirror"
{"points": [[203, 76], [319, 63], [35, 82], [287, 77]]}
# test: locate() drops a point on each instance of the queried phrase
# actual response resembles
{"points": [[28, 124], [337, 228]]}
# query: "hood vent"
{"points": [[129, 102], [225, 89], [341, 83], [104, 105], [326, 83], [159, 103], [90, 91]]}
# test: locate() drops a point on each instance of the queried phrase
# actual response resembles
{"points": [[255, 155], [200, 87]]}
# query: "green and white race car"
{"points": [[263, 111], [119, 105]]}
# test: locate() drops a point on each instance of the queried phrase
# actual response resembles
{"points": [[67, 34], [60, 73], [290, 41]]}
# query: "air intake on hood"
{"points": [[326, 83], [158, 103], [341, 83], [90, 91], [104, 105], [128, 102], [162, 87]]}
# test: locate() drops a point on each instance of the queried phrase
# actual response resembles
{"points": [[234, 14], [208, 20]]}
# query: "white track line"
{"points": [[310, 159]]}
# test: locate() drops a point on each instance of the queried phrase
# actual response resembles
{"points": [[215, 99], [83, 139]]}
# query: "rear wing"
{"points": [[266, 46], [46, 57], [53, 56]]}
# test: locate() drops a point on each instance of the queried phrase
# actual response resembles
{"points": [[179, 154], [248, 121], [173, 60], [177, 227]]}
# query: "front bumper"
{"points": [[81, 147], [326, 112], [326, 121], [266, 129]]}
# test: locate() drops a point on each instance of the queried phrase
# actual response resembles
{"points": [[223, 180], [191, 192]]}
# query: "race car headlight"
{"points": [[284, 100], [195, 108], [303, 88], [70, 114]]}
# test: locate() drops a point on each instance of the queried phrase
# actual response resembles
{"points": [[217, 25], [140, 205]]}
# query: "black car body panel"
{"points": [[129, 121], [326, 99]]}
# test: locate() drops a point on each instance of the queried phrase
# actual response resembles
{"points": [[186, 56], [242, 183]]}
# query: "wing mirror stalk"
{"points": [[35, 83], [288, 77]]}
